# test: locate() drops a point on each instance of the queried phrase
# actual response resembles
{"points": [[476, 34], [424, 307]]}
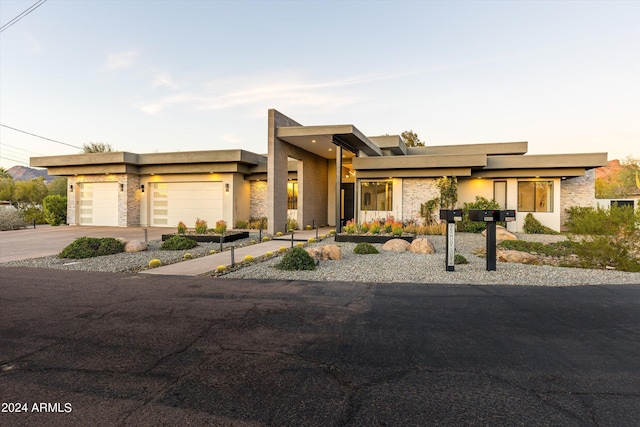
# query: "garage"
{"points": [[99, 203], [172, 202]]}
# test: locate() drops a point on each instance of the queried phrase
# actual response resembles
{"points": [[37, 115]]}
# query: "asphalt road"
{"points": [[110, 349]]}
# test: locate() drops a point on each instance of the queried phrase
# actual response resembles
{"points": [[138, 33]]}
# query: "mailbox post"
{"points": [[490, 217], [451, 216]]}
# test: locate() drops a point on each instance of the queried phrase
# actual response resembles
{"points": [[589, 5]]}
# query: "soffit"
{"points": [[322, 140], [547, 161], [420, 162]]}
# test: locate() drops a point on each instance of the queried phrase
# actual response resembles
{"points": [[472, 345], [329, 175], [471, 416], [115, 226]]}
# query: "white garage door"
{"points": [[99, 203], [172, 202]]}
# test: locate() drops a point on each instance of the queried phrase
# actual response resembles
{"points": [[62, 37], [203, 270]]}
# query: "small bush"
{"points": [[279, 234], [308, 227], [601, 221], [533, 226], [299, 244], [312, 240], [201, 226], [155, 263], [221, 226], [364, 227], [375, 227], [397, 229], [32, 213], [332, 232], [365, 248], [350, 227], [266, 238], [292, 224], [178, 243], [248, 259], [282, 249], [296, 259], [187, 256], [55, 209], [459, 259], [182, 228], [221, 268], [243, 225], [268, 254], [559, 249], [609, 251], [89, 247], [11, 219], [480, 203]]}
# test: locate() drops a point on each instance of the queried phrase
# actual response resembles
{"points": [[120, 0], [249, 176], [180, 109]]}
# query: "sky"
{"points": [[158, 76]]}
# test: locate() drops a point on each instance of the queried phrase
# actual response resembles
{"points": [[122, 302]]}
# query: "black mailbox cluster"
{"points": [[491, 216], [451, 215]]}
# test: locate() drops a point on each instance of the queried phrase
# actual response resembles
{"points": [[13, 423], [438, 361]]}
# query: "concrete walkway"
{"points": [[208, 263]]}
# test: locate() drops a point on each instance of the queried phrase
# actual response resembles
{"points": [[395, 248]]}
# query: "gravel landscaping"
{"points": [[383, 267]]}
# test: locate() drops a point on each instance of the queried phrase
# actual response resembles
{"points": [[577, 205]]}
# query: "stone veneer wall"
{"points": [[71, 200], [258, 199], [416, 191], [577, 191]]}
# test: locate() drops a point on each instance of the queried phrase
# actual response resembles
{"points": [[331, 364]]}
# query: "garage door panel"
{"points": [[187, 201], [99, 203]]}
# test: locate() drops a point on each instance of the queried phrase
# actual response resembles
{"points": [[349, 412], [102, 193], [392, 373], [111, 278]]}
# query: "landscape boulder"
{"points": [[325, 253], [135, 246], [422, 246], [502, 234], [397, 245], [518, 257]]}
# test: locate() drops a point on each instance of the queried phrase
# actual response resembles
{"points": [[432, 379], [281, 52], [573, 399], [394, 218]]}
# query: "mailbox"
{"points": [[482, 215], [507, 215], [451, 215]]}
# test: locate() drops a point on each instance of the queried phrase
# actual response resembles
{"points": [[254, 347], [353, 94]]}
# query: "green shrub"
{"points": [[292, 224], [176, 243], [182, 227], [201, 226], [55, 209], [89, 247], [559, 249], [533, 226], [221, 226], [459, 259], [609, 251], [242, 225], [32, 213], [365, 248], [480, 203], [296, 259], [11, 219], [599, 221]]}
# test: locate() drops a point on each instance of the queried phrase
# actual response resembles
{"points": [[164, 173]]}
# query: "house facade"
{"points": [[318, 174]]}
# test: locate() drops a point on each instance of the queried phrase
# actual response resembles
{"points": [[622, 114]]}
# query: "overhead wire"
{"points": [[22, 15], [14, 160], [21, 149], [42, 137]]}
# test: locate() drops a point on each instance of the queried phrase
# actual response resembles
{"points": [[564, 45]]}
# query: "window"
{"points": [[376, 195], [500, 193], [535, 196], [292, 195]]}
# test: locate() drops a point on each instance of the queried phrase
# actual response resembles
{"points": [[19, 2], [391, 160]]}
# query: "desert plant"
{"points": [[282, 249], [248, 259], [599, 221], [33, 213], [619, 252], [201, 226], [155, 263], [388, 224], [308, 227], [296, 259], [242, 224], [89, 247], [428, 210], [332, 232], [448, 187], [187, 256], [364, 227], [397, 229], [279, 234], [213, 251], [375, 227], [221, 226], [11, 219], [480, 203], [55, 209], [176, 243], [268, 254], [533, 226], [459, 259], [365, 248], [299, 244], [182, 228], [292, 224], [311, 240], [221, 268], [266, 238], [350, 227]]}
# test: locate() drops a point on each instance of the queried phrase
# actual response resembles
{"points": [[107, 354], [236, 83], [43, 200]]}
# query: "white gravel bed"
{"points": [[408, 267], [396, 267]]}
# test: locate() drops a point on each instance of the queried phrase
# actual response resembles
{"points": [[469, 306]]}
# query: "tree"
{"points": [[7, 187], [97, 147], [30, 193], [411, 139], [621, 182], [4, 173], [55, 209], [58, 186]]}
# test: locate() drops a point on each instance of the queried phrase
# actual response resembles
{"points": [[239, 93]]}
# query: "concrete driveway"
{"points": [[46, 240], [114, 349]]}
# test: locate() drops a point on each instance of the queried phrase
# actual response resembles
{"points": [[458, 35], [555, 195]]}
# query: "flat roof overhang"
{"points": [[322, 140], [465, 161], [548, 161]]}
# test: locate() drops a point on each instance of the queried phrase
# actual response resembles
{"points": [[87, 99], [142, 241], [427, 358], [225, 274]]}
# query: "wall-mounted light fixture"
{"points": [[226, 188], [121, 187], [71, 188], [142, 188]]}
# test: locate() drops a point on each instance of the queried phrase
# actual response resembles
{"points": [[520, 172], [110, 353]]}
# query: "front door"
{"points": [[347, 193]]}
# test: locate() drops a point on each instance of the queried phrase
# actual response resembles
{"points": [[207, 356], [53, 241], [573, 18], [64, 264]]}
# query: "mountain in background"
{"points": [[24, 173]]}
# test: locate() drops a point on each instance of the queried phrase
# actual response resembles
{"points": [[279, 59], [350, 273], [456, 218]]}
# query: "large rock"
{"points": [[502, 234], [397, 245], [325, 253], [518, 257], [422, 246], [135, 246]]}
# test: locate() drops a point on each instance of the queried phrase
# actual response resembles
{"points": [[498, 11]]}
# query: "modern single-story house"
{"points": [[321, 174]]}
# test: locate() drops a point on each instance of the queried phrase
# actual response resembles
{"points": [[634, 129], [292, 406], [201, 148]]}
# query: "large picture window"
{"points": [[535, 196], [376, 195], [292, 195]]}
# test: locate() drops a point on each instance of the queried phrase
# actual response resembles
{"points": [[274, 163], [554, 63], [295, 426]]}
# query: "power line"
{"points": [[38, 136], [14, 160], [21, 149], [22, 15]]}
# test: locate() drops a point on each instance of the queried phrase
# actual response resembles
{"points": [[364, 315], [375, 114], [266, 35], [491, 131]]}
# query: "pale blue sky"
{"points": [[148, 76]]}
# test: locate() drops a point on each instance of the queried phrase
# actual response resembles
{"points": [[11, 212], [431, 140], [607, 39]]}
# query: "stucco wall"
{"points": [[577, 191]]}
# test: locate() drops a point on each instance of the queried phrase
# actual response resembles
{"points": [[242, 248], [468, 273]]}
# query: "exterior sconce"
{"points": [[71, 188], [121, 187], [142, 188], [226, 188]]}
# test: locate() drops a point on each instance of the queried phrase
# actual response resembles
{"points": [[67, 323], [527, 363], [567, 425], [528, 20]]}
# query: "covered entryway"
{"points": [[172, 202], [99, 203]]}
